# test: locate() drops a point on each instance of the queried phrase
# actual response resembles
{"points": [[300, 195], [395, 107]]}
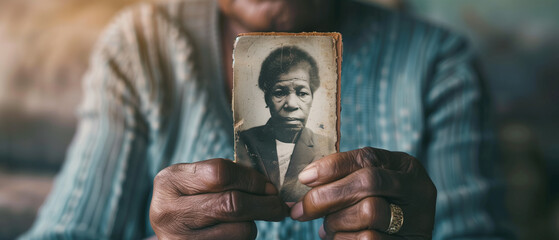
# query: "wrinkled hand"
{"points": [[213, 199], [352, 191]]}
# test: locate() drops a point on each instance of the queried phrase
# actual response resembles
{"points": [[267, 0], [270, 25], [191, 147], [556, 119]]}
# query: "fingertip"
{"points": [[290, 204], [297, 211]]}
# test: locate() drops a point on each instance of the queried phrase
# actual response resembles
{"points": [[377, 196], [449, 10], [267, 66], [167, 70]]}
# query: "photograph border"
{"points": [[337, 37]]}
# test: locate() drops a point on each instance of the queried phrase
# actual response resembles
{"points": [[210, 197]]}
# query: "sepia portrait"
{"points": [[285, 104]]}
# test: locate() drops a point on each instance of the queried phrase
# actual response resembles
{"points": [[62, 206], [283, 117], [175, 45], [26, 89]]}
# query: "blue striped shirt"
{"points": [[154, 96]]}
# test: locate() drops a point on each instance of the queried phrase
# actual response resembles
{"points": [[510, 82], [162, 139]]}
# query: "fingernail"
{"points": [[290, 204], [271, 189], [308, 175], [297, 210]]}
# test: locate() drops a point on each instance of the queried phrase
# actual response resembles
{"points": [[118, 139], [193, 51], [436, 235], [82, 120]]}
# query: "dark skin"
{"points": [[218, 199]]}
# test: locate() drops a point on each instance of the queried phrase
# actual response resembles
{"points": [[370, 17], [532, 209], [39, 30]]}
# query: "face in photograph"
{"points": [[290, 98], [289, 78]]}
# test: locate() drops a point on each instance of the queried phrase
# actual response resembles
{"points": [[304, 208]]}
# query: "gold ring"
{"points": [[396, 219]]}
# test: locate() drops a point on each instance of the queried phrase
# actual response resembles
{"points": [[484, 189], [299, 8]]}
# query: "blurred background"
{"points": [[44, 49]]}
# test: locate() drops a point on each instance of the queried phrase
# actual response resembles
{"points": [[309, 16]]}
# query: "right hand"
{"points": [[212, 199]]}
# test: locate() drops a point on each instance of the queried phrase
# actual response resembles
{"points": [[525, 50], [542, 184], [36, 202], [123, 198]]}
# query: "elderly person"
{"points": [[156, 108], [283, 147]]}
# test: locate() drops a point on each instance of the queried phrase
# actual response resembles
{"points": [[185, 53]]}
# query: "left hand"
{"points": [[353, 191]]}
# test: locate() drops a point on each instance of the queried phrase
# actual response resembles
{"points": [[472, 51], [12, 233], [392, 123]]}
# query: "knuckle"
{"points": [[365, 156], [172, 180], [159, 213], [169, 217], [176, 168], [163, 183], [408, 163], [162, 177], [314, 198], [215, 173], [402, 155], [368, 178], [368, 149], [366, 235], [231, 204], [155, 213], [367, 211], [171, 172]]}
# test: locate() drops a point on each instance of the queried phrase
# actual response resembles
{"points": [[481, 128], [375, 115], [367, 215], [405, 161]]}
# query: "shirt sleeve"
{"points": [[102, 191], [461, 151]]}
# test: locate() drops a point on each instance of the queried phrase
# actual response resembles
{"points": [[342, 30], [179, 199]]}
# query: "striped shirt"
{"points": [[154, 96]]}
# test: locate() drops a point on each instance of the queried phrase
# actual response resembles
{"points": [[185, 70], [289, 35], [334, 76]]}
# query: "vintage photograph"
{"points": [[286, 104]]}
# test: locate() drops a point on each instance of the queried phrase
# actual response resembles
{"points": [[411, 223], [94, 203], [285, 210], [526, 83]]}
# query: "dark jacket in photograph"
{"points": [[257, 149]]}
